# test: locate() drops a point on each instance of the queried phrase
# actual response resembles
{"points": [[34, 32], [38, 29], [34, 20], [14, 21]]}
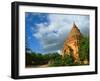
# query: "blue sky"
{"points": [[46, 32]]}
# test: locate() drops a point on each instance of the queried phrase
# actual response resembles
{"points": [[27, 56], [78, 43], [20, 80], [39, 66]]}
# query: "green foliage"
{"points": [[55, 59], [28, 59], [67, 60], [84, 48], [35, 59]]}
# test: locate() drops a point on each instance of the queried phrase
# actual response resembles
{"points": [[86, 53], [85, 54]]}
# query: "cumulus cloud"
{"points": [[52, 35]]}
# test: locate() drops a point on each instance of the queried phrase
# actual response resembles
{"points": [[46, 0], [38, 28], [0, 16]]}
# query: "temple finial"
{"points": [[74, 25], [73, 22]]}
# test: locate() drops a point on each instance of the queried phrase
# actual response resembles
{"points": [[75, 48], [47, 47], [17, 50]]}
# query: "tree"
{"points": [[28, 59], [67, 60], [84, 48]]}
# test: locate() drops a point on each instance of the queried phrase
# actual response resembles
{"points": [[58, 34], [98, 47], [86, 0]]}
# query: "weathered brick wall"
{"points": [[72, 43]]}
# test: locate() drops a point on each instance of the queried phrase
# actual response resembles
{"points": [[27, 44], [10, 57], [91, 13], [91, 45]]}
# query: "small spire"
{"points": [[74, 22], [74, 25]]}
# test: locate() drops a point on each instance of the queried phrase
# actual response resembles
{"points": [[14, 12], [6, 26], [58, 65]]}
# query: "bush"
{"points": [[84, 49], [67, 60]]}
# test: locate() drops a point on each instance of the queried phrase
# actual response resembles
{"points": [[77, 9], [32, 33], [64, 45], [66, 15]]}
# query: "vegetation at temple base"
{"points": [[55, 59], [84, 49]]}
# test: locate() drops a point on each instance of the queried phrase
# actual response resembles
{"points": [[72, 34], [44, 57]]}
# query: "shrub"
{"points": [[84, 49]]}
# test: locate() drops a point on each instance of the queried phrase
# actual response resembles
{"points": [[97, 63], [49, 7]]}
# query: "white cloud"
{"points": [[52, 36]]}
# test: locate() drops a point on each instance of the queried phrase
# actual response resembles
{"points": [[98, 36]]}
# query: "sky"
{"points": [[46, 32]]}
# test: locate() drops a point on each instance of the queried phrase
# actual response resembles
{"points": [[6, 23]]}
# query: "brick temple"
{"points": [[71, 43]]}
